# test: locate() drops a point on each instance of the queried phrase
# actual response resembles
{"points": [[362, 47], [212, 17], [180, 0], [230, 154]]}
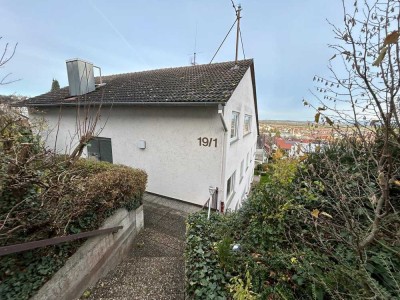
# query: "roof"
{"points": [[208, 83], [283, 144]]}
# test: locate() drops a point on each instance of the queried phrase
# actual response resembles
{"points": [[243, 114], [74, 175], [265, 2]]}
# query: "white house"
{"points": [[299, 149], [189, 128]]}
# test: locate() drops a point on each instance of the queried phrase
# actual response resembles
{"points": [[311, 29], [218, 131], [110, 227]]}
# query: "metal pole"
{"points": [[237, 32]]}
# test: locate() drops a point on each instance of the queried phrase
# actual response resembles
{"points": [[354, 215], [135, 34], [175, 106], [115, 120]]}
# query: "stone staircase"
{"points": [[155, 268]]}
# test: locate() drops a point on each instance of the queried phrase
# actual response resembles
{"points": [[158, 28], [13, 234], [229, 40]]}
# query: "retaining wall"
{"points": [[94, 258]]}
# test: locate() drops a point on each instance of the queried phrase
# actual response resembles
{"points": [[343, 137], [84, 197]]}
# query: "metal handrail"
{"points": [[5, 250], [205, 204]]}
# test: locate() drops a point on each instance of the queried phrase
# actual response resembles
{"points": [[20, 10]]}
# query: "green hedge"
{"points": [[296, 239], [205, 278], [63, 199]]}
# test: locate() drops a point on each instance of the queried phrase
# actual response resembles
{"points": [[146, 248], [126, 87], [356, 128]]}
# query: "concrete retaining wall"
{"points": [[94, 258]]}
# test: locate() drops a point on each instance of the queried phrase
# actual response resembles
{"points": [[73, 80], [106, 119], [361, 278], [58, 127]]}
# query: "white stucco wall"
{"points": [[242, 101], [176, 165]]}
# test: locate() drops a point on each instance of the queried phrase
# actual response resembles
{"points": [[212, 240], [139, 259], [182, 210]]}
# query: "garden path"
{"points": [[155, 268]]}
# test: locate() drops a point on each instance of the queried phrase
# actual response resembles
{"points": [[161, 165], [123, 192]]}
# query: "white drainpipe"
{"points": [[221, 194]]}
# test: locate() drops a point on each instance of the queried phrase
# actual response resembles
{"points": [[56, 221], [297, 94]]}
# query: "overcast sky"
{"points": [[287, 40]]}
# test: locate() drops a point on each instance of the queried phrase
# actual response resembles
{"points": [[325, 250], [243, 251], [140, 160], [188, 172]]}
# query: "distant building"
{"points": [[189, 128], [283, 144], [300, 149]]}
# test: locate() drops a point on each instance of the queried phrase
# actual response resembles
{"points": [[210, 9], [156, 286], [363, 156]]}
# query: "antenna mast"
{"points": [[195, 48], [237, 31]]}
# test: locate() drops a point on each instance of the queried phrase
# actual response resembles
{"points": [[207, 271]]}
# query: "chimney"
{"points": [[80, 77]]}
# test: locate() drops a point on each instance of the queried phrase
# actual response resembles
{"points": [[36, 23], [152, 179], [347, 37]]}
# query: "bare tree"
{"points": [[6, 56], [88, 115], [360, 100], [358, 174]]}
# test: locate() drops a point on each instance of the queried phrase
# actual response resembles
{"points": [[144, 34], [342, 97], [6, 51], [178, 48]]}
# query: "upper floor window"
{"points": [[247, 124], [234, 125], [230, 185]]}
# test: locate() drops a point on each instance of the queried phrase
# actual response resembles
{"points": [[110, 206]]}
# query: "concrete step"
{"points": [[155, 268], [153, 243], [143, 278], [165, 220]]}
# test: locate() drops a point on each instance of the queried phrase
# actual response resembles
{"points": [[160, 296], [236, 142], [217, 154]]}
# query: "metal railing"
{"points": [[212, 201], [5, 250]]}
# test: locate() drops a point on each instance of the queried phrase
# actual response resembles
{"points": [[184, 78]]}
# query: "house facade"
{"points": [[189, 128]]}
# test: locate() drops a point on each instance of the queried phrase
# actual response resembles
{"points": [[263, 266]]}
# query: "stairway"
{"points": [[155, 268]]}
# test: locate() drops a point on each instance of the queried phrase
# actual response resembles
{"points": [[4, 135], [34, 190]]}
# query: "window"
{"points": [[247, 124], [234, 125], [241, 170], [100, 148], [230, 185], [247, 160]]}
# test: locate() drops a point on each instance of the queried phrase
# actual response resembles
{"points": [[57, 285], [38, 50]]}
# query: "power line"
{"points": [[223, 41], [233, 4], [241, 41]]}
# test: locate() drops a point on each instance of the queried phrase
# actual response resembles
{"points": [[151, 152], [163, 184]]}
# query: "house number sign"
{"points": [[207, 142]]}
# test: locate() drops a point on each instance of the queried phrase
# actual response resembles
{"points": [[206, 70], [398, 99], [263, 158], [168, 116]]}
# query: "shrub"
{"points": [[299, 231], [205, 278], [42, 196]]}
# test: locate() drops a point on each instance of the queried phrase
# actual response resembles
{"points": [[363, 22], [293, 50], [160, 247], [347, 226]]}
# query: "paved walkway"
{"points": [[155, 268]]}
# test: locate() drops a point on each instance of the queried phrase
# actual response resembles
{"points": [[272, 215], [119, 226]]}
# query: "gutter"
{"points": [[83, 103]]}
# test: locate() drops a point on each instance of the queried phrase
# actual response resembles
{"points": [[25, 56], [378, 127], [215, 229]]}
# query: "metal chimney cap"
{"points": [[76, 59]]}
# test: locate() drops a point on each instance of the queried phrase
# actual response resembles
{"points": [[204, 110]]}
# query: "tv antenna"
{"points": [[193, 58], [238, 34]]}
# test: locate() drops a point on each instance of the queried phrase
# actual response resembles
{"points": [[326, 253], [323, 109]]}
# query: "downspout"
{"points": [[223, 162], [221, 114]]}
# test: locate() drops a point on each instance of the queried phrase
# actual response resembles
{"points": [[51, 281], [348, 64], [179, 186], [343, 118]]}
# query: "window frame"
{"points": [[235, 116], [230, 185], [103, 151], [247, 118]]}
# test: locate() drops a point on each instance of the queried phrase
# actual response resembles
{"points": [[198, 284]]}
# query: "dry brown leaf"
{"points": [[315, 213], [326, 214], [392, 38], [316, 118], [380, 57]]}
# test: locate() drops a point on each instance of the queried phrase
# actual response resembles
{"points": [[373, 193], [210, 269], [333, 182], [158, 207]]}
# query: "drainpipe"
{"points": [[221, 115], [221, 195]]}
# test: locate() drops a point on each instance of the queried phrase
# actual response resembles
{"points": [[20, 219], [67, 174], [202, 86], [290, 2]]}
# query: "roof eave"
{"points": [[199, 103], [253, 78]]}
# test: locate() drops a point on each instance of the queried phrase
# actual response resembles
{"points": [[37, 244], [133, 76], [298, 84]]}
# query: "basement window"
{"points": [[99, 148], [234, 126]]}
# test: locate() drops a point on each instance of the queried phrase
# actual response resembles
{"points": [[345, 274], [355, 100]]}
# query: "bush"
{"points": [[43, 196], [205, 278], [299, 238]]}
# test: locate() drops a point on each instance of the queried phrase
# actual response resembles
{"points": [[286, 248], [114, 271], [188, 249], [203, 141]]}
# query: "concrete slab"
{"points": [[155, 268], [174, 204]]}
